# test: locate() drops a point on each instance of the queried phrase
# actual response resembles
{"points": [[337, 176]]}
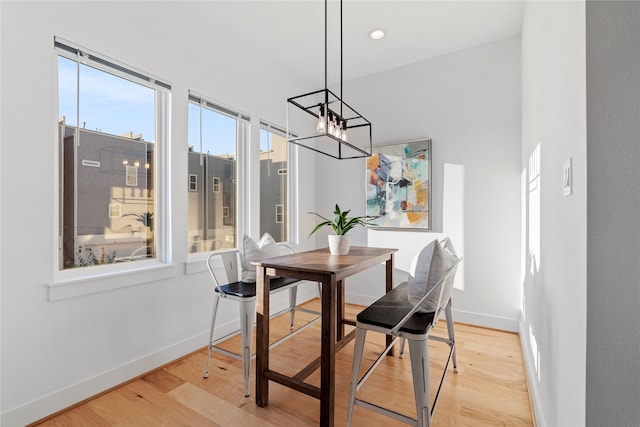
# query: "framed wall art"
{"points": [[399, 186]]}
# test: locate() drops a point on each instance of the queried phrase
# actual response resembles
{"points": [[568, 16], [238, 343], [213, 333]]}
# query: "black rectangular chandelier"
{"points": [[321, 121]]}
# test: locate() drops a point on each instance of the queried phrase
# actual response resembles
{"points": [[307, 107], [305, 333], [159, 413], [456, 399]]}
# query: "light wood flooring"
{"points": [[489, 389]]}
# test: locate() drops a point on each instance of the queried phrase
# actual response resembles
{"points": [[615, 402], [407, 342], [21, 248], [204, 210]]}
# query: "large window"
{"points": [[214, 135], [112, 121], [274, 191]]}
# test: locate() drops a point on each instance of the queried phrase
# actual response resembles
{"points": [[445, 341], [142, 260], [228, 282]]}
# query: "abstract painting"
{"points": [[399, 186]]}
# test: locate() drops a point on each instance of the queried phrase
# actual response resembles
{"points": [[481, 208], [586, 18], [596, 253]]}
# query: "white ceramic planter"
{"points": [[339, 245]]}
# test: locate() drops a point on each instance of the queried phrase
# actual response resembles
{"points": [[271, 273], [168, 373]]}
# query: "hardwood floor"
{"points": [[489, 389]]}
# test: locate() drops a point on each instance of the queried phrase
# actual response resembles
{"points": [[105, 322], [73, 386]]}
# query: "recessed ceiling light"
{"points": [[376, 34]]}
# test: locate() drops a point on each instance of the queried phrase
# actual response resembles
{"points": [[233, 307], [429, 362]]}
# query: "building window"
{"points": [[193, 182], [274, 188], [115, 210], [112, 127], [215, 132], [279, 214], [132, 176]]}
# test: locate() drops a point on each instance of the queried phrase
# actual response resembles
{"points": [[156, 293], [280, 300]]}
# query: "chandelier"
{"points": [[321, 121]]}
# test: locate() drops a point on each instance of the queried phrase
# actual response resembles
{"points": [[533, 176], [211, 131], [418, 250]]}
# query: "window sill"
{"points": [[73, 285]]}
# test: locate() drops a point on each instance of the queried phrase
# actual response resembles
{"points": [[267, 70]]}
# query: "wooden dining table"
{"points": [[330, 270]]}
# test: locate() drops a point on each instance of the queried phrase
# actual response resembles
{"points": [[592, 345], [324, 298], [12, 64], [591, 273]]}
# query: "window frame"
{"points": [[279, 213], [131, 176], [292, 180], [243, 135], [112, 209], [194, 182], [68, 283]]}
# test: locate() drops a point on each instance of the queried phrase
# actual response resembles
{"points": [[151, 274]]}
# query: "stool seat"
{"points": [[248, 290], [390, 309]]}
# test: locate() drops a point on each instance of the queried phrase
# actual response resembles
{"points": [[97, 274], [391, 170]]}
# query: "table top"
{"points": [[321, 261]]}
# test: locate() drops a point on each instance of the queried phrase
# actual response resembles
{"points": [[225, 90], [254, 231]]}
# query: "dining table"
{"points": [[331, 271]]}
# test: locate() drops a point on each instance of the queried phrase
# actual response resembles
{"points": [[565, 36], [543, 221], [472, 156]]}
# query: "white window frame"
{"points": [[194, 263], [193, 179], [74, 282], [292, 182], [115, 207], [216, 184], [279, 214], [131, 172]]}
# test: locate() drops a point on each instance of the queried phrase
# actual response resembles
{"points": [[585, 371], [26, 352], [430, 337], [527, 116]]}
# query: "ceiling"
{"points": [[292, 32]]}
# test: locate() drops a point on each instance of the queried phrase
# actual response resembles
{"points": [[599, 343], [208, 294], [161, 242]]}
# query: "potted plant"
{"points": [[341, 224]]}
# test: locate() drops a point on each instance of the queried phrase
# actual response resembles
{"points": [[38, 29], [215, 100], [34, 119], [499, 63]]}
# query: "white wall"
{"points": [[553, 329], [613, 209], [57, 353], [469, 104]]}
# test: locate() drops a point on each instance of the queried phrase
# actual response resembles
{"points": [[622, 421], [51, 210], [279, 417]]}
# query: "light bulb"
{"points": [[332, 125], [343, 131], [321, 126]]}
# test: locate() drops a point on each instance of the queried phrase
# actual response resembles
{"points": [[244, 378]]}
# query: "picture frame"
{"points": [[398, 186]]}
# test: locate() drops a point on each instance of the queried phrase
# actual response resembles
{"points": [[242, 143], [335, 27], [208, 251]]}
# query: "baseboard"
{"points": [[70, 395], [532, 381], [477, 319]]}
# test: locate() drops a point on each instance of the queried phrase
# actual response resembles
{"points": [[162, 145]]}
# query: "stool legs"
{"points": [[419, 355], [216, 300], [293, 292], [452, 336], [247, 316], [355, 370]]}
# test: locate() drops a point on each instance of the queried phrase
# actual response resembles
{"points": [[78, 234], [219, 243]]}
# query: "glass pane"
{"points": [[107, 179], [212, 160], [273, 185]]}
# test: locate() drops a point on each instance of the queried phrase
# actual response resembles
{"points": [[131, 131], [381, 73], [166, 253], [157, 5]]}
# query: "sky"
{"points": [[111, 104]]}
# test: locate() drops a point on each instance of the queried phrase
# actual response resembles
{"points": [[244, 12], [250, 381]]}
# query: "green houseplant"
{"points": [[341, 224]]}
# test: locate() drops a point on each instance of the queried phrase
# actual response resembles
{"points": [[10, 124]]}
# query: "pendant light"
{"points": [[321, 121]]}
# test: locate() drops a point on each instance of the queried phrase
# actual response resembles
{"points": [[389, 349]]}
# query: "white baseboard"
{"points": [[532, 380], [67, 396]]}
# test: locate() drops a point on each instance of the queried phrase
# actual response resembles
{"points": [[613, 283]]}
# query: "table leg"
{"points": [[328, 354], [262, 336], [388, 287], [340, 310]]}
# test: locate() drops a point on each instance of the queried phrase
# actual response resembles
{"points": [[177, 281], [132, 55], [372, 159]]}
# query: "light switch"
{"points": [[567, 178]]}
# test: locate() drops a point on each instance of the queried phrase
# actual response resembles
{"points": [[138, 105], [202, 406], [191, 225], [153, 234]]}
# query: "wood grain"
{"points": [[489, 389]]}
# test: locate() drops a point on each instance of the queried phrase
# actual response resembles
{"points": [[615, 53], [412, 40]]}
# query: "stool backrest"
{"points": [[223, 268]]}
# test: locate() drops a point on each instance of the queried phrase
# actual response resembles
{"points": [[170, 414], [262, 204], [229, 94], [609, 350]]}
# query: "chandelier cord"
{"points": [[341, 97]]}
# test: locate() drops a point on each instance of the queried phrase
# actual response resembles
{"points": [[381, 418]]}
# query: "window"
{"points": [[214, 135], [132, 176], [111, 127], [273, 182], [193, 182], [279, 214], [115, 210]]}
